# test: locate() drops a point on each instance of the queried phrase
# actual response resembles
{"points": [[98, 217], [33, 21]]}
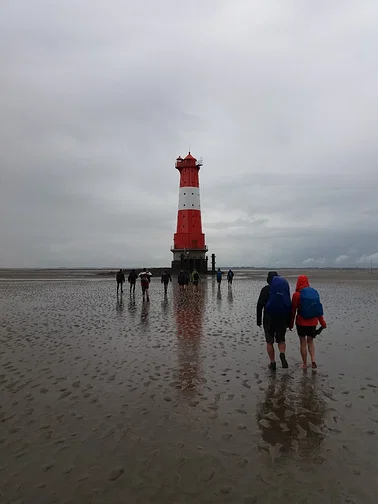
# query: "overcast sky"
{"points": [[97, 99]]}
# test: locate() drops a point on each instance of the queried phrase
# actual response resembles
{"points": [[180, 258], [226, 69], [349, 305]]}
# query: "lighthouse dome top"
{"points": [[189, 161]]}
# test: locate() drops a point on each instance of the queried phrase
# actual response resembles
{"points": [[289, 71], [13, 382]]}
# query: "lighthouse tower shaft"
{"points": [[189, 249]]}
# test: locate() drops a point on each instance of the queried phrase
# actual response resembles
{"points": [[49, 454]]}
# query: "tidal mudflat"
{"points": [[119, 401]]}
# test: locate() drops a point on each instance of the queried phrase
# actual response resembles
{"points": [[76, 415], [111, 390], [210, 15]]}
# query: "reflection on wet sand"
{"points": [[165, 306], [119, 303], [131, 305], [219, 293], [144, 313], [189, 309], [292, 416], [230, 296]]}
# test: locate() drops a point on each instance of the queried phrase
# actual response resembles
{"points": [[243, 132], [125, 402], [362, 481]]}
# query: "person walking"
{"points": [[145, 279], [120, 277], [274, 313], [181, 278], [230, 276], [132, 278], [165, 279], [195, 279], [307, 311], [219, 277], [187, 279]]}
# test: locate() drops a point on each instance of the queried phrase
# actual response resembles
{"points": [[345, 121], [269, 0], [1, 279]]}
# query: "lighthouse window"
{"points": [[192, 204], [184, 193]]}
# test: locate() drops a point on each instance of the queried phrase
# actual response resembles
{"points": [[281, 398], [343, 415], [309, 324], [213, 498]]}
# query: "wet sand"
{"points": [[171, 401]]}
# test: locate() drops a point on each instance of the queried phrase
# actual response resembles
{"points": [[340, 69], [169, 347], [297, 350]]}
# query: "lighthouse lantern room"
{"points": [[189, 249]]}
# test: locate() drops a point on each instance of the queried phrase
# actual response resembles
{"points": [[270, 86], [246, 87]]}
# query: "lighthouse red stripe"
{"points": [[189, 177]]}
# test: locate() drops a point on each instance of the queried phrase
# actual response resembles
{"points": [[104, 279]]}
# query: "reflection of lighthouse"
{"points": [[189, 311], [189, 249]]}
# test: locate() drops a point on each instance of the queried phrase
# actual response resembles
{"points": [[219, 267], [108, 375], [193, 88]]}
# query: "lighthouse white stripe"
{"points": [[189, 198]]}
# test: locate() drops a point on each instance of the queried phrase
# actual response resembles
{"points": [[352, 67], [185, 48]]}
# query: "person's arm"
{"points": [[263, 298], [322, 322], [294, 308]]}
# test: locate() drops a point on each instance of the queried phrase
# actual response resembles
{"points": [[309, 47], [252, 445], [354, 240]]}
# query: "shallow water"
{"points": [[171, 401]]}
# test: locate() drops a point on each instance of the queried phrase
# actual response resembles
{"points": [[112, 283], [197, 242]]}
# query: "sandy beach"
{"points": [[119, 401]]}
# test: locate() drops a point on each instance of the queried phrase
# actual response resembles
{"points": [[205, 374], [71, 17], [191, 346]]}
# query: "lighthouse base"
{"points": [[189, 260]]}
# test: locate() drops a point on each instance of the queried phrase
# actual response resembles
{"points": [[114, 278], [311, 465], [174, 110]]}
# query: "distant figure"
{"points": [[145, 279], [275, 302], [187, 279], [219, 276], [181, 279], [165, 279], [120, 277], [195, 279], [132, 278], [230, 276], [307, 307]]}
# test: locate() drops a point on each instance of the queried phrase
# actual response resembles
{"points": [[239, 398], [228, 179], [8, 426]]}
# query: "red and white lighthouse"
{"points": [[189, 249]]}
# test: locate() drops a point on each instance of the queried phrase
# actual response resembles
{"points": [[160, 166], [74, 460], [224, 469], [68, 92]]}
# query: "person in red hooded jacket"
{"points": [[306, 328]]}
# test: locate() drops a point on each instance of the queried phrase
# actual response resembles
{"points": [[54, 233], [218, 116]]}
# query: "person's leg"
{"points": [[280, 334], [121, 287], [303, 350], [269, 337], [270, 350], [282, 349], [311, 350]]}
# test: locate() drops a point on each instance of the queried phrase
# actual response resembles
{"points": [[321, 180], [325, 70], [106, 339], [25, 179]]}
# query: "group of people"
{"points": [[145, 279], [277, 312], [230, 277], [184, 279]]}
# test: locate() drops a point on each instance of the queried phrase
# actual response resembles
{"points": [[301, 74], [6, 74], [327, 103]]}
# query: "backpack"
{"points": [[309, 303], [196, 277], [144, 278], [279, 302], [219, 276]]}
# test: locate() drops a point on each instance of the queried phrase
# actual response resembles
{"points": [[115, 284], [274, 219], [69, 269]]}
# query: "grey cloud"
{"points": [[98, 99]]}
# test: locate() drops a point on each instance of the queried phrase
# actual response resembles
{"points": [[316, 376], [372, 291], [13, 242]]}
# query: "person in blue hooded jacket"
{"points": [[275, 316], [219, 276]]}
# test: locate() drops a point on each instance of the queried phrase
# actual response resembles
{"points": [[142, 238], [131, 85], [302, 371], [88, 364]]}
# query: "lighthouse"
{"points": [[189, 249]]}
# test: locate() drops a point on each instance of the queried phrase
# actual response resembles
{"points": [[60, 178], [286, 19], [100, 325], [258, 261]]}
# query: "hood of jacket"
{"points": [[302, 282], [270, 276]]}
